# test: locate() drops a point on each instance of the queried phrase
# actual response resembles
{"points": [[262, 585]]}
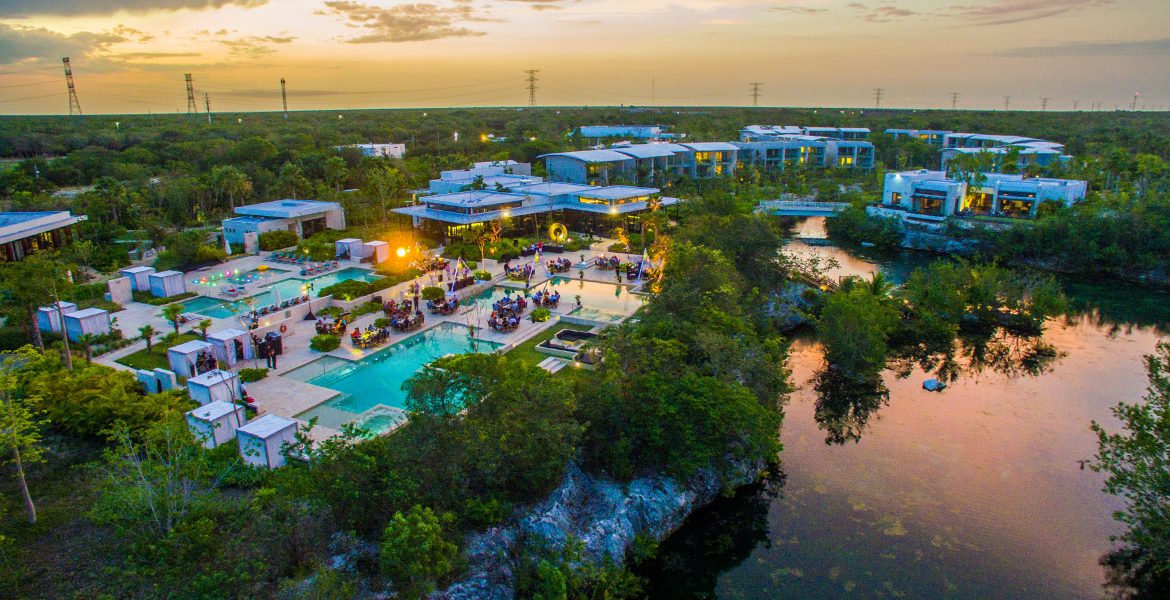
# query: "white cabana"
{"points": [[166, 284], [379, 250], [262, 440], [216, 423], [139, 277], [213, 386], [47, 316], [94, 321], [184, 358], [231, 345], [351, 247]]}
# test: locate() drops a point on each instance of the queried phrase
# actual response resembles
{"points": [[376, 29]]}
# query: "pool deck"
{"points": [[287, 397]]}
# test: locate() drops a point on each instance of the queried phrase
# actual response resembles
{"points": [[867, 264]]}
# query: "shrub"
{"points": [[146, 298], [381, 322], [617, 247], [330, 311], [206, 254], [482, 275], [250, 375], [366, 308], [325, 342], [275, 240], [433, 293], [471, 264], [541, 315], [347, 290]]}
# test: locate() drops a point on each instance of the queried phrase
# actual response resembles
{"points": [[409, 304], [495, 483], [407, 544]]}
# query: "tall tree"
{"points": [[233, 182], [172, 312], [19, 429], [387, 183], [36, 281]]}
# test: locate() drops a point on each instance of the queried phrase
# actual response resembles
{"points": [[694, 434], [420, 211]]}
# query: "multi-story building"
{"points": [[380, 150], [23, 233], [500, 176], [302, 217], [590, 167], [933, 196], [1027, 151], [582, 208], [783, 150], [933, 137], [638, 132], [759, 133]]}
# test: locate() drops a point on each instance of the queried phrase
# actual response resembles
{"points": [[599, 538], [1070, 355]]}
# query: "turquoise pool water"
{"points": [[371, 389], [276, 292], [611, 300], [209, 307]]}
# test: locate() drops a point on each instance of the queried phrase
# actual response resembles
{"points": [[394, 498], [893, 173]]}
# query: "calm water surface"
{"points": [[974, 492]]}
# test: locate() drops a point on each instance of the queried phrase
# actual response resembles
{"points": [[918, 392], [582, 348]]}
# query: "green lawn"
{"points": [[527, 354], [157, 357]]}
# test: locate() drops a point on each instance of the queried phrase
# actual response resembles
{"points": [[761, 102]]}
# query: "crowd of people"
{"points": [[547, 299], [506, 313], [371, 337], [559, 265], [405, 315], [521, 273], [606, 264], [331, 325], [445, 306]]}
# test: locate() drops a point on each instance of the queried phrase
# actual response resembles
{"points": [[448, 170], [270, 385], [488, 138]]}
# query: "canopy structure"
{"points": [[139, 277], [262, 440], [167, 284], [186, 359], [214, 386], [377, 250], [90, 321], [215, 423], [231, 345], [351, 247], [47, 318]]}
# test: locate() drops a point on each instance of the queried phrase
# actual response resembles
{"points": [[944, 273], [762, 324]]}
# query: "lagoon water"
{"points": [[974, 492]]}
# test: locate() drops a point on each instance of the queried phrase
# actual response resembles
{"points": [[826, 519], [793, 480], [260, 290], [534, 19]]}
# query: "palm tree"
{"points": [[233, 182], [387, 182], [146, 331], [203, 326], [87, 340], [879, 285], [171, 312]]}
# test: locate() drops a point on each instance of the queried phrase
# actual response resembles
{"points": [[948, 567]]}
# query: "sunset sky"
{"points": [[130, 55]]}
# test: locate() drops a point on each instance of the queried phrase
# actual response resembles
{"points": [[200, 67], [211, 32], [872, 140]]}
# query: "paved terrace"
{"points": [[287, 397]]}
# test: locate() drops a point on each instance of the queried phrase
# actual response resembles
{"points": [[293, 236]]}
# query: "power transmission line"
{"points": [[954, 100], [1007, 102], [877, 97], [207, 103], [532, 86], [1044, 104], [284, 97], [74, 103], [192, 108], [756, 92]]}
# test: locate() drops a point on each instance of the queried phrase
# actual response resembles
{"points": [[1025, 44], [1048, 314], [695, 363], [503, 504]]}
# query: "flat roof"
{"points": [[284, 209], [473, 198], [87, 312], [212, 377], [226, 334], [591, 155], [617, 192], [710, 146], [551, 188], [266, 426], [189, 347], [19, 225], [214, 410], [165, 274], [647, 150]]}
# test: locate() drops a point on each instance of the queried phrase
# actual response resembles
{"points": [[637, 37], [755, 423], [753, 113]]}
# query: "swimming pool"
{"points": [[614, 301], [371, 388], [208, 307]]}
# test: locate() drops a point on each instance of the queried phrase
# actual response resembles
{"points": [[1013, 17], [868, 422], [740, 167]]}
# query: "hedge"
{"points": [[275, 240], [325, 342]]}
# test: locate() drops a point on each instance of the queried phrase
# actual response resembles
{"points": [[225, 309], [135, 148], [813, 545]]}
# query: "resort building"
{"points": [[499, 176], [713, 159], [380, 150], [933, 196], [781, 152], [639, 132], [761, 133], [302, 217], [582, 208], [1027, 151], [23, 233], [933, 137], [590, 167]]}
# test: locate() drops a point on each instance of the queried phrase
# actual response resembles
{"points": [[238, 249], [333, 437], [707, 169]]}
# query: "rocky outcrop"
{"points": [[605, 515], [791, 307]]}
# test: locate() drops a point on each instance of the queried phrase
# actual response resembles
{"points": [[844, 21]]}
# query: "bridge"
{"points": [[802, 208]]}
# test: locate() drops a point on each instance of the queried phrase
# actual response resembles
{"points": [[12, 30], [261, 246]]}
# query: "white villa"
{"points": [[933, 196]]}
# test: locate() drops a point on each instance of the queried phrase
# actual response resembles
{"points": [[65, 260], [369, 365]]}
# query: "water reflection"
{"points": [[845, 404], [716, 538]]}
